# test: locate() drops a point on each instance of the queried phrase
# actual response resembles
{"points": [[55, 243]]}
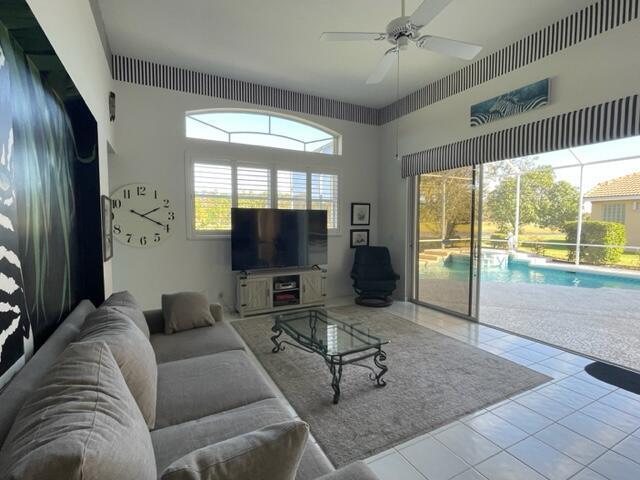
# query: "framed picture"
{"points": [[360, 213], [359, 238], [107, 228]]}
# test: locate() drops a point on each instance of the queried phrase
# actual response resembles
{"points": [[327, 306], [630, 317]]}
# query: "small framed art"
{"points": [[360, 214], [359, 238]]}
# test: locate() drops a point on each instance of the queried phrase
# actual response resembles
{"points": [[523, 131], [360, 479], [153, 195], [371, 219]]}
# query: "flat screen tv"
{"points": [[274, 238]]}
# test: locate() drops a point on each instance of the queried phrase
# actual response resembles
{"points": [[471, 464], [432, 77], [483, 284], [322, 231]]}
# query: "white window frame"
{"points": [[190, 160]]}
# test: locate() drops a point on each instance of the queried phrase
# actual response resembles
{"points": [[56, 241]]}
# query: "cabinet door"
{"points": [[256, 294], [312, 287]]}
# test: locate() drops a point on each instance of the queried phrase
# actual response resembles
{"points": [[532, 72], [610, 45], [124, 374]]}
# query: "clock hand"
{"points": [[150, 211], [147, 218]]}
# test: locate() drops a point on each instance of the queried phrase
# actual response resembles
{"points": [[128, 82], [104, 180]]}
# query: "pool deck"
{"points": [[598, 322]]}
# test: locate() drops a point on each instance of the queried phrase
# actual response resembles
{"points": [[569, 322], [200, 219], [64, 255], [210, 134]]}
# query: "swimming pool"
{"points": [[506, 269]]}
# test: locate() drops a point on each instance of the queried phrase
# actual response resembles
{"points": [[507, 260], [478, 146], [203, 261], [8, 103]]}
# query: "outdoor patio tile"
{"points": [[574, 359], [561, 366], [580, 448], [545, 459], [470, 474], [612, 416], [433, 460], [469, 445], [545, 406], [506, 467], [587, 474], [554, 374], [622, 402], [529, 354], [565, 396], [585, 377], [587, 389], [491, 349], [499, 431], [393, 467], [615, 466], [501, 343], [515, 358], [593, 429], [630, 448], [523, 418], [545, 349], [631, 395], [516, 340]]}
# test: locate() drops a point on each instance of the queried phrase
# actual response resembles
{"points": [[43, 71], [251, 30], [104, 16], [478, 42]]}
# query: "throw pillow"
{"points": [[185, 311], [126, 304], [79, 423], [133, 353], [265, 454]]}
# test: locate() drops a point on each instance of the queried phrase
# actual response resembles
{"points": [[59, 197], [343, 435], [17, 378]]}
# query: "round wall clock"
{"points": [[142, 216]]}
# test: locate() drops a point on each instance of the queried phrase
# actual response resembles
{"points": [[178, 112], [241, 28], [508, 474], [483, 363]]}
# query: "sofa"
{"points": [[208, 391]]}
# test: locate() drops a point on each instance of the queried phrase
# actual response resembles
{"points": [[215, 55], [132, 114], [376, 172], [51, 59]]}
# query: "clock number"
{"points": [[166, 227], [126, 193], [172, 216], [116, 203], [165, 203], [117, 230], [143, 240], [141, 190], [156, 237], [155, 194], [129, 236]]}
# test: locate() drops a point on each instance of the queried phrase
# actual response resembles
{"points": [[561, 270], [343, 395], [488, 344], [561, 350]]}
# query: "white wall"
{"points": [[71, 28], [150, 132], [603, 68]]}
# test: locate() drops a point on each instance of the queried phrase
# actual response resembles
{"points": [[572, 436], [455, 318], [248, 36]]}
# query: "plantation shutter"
{"points": [[254, 187], [212, 196], [292, 189], [324, 196]]}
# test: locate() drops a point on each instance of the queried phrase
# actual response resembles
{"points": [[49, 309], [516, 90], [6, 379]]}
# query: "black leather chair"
{"points": [[373, 277]]}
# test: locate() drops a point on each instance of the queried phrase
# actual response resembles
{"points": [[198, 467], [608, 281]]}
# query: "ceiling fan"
{"points": [[403, 29]]}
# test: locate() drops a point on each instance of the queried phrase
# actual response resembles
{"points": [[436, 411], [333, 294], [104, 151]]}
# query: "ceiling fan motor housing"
{"points": [[401, 28]]}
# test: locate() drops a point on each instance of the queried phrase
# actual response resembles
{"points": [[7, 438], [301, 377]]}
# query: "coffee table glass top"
{"points": [[327, 332]]}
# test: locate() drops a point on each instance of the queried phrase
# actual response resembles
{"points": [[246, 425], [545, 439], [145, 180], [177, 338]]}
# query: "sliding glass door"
{"points": [[445, 263]]}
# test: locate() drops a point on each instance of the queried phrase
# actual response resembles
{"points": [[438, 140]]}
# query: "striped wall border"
{"points": [[152, 74], [599, 123], [589, 22]]}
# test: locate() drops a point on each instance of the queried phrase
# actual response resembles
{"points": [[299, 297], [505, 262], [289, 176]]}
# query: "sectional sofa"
{"points": [[208, 391]]}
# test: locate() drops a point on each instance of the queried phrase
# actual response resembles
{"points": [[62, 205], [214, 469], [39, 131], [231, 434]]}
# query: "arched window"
{"points": [[262, 129]]}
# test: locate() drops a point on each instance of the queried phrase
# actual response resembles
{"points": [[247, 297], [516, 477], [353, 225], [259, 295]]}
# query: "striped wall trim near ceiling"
{"points": [[152, 74], [599, 123], [589, 22]]}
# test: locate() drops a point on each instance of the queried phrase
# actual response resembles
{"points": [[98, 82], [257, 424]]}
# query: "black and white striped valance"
{"points": [[600, 123], [589, 22], [152, 74]]}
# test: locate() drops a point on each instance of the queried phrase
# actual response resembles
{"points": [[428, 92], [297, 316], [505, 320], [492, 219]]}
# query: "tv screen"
{"points": [[273, 238]]}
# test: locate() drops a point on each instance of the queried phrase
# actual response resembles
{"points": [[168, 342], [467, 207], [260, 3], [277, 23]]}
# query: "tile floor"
{"points": [[573, 427]]}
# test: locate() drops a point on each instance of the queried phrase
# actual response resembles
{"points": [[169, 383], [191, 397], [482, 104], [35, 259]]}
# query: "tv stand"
{"points": [[265, 291]]}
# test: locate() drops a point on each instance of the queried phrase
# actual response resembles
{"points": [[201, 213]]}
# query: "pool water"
{"points": [[518, 271]]}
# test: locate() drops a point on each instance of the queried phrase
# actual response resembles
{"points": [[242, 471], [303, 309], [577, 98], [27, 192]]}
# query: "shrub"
{"points": [[597, 233], [501, 242]]}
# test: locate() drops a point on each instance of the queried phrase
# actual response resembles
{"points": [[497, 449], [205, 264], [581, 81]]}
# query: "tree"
{"points": [[543, 201]]}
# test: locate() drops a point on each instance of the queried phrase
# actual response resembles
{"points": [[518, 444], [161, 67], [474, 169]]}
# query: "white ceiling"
{"points": [[276, 42]]}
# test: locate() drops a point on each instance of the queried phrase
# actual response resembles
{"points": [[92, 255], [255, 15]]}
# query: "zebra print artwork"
{"points": [[16, 338], [523, 99]]}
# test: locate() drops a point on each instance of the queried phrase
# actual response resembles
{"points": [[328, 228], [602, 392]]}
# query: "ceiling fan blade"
{"points": [[427, 11], [352, 36], [383, 67], [446, 46]]}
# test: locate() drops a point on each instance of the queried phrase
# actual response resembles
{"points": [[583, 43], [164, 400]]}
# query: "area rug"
{"points": [[432, 380]]}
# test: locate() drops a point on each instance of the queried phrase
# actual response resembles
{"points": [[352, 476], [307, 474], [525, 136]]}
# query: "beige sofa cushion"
{"points": [[185, 311], [80, 423], [126, 304], [133, 353], [272, 452]]}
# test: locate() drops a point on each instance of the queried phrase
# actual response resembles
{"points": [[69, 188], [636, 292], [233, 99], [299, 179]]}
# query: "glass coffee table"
{"points": [[335, 339]]}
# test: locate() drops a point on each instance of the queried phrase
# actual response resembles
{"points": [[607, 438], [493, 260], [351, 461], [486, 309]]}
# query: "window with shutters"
{"points": [[216, 187], [262, 129]]}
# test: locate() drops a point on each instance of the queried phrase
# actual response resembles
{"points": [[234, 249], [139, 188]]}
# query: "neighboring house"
{"points": [[618, 200]]}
